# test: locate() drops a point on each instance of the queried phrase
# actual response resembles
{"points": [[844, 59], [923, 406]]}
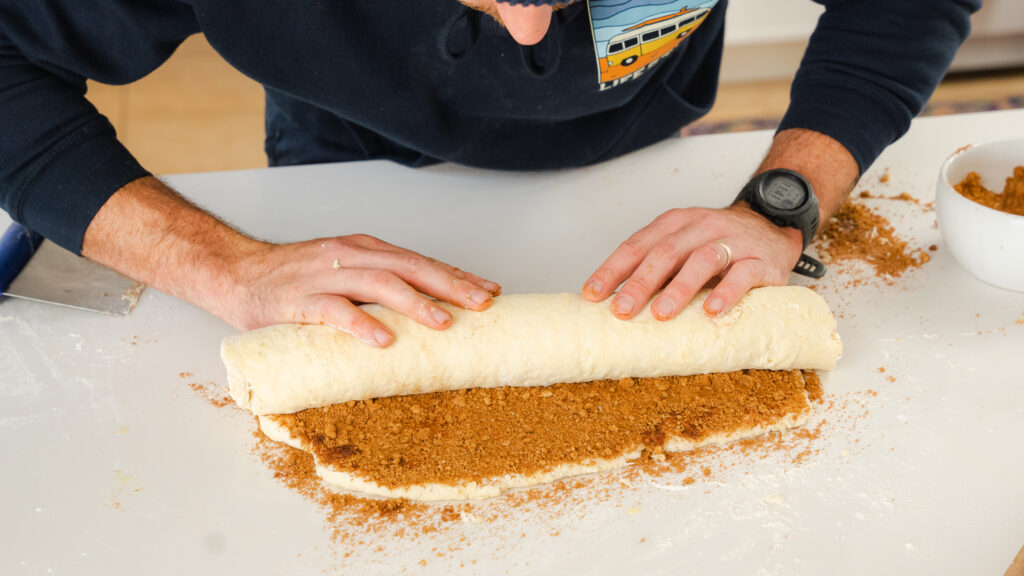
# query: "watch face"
{"points": [[783, 192]]}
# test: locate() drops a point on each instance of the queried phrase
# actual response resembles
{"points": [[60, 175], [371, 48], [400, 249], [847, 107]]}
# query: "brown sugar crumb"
{"points": [[355, 524], [885, 177], [469, 435], [1010, 201], [857, 233], [212, 393], [812, 383], [297, 470], [972, 189], [902, 197]]}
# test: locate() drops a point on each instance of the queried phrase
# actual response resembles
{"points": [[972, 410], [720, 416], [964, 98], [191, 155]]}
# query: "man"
{"points": [[428, 80]]}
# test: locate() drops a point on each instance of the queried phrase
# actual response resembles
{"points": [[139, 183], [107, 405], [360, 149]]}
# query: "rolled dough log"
{"points": [[526, 340]]}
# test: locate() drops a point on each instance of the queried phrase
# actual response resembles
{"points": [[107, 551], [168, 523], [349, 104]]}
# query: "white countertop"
{"points": [[111, 464]]}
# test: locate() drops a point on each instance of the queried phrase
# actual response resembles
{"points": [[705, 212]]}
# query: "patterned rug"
{"points": [[931, 109]]}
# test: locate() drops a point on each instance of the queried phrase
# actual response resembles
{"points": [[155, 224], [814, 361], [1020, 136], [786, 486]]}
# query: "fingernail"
{"points": [[663, 308], [382, 336], [623, 305], [479, 296], [491, 287], [440, 316], [713, 305], [594, 286]]}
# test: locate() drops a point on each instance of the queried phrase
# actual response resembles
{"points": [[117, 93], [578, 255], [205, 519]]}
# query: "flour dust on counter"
{"points": [[366, 529]]}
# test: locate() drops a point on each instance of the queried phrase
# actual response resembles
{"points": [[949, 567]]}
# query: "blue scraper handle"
{"points": [[17, 246]]}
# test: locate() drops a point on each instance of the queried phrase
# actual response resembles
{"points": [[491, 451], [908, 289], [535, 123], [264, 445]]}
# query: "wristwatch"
{"points": [[787, 199]]}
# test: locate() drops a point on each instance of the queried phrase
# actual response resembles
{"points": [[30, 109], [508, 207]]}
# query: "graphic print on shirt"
{"points": [[630, 36]]}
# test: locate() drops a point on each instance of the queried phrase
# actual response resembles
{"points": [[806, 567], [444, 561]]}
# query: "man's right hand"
{"points": [[150, 233], [320, 281]]}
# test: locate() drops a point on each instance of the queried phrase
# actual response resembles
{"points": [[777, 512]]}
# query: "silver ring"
{"points": [[728, 254]]}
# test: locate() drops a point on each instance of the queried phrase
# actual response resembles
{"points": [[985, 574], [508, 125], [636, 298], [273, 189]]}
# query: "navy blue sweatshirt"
{"points": [[420, 81]]}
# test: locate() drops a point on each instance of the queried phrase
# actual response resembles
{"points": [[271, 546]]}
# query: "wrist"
{"points": [[793, 236], [234, 268], [148, 232], [822, 160], [786, 199]]}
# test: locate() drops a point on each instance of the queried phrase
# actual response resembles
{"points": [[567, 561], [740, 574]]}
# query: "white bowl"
{"points": [[986, 242]]}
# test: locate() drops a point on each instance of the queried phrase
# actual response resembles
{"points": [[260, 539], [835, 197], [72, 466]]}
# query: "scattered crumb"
{"points": [[858, 234], [132, 295], [213, 393]]}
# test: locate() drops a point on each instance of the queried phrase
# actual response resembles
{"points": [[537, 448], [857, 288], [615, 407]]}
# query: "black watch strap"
{"points": [[810, 267]]}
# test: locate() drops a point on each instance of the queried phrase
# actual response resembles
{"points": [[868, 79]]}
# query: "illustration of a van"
{"points": [[625, 48]]}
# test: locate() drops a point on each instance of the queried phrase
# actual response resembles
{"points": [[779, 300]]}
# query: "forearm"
{"points": [[150, 233], [827, 165], [871, 65]]}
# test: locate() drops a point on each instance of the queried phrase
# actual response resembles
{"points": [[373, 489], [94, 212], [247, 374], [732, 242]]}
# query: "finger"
{"points": [[663, 261], [367, 243], [742, 276], [703, 264], [440, 281], [493, 287], [342, 314], [384, 287], [425, 274], [625, 259]]}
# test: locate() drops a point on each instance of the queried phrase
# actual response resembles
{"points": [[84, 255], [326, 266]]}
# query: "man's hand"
{"points": [[150, 233], [320, 281], [684, 249]]}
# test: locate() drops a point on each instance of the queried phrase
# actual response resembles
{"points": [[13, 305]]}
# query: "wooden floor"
{"points": [[197, 114]]}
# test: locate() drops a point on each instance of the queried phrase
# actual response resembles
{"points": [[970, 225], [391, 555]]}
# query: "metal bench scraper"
{"points": [[34, 268]]}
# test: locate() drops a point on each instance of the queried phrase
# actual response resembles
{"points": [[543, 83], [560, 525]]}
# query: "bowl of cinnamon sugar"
{"points": [[982, 226]]}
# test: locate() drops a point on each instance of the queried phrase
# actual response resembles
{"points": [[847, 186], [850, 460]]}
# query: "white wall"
{"points": [[765, 39]]}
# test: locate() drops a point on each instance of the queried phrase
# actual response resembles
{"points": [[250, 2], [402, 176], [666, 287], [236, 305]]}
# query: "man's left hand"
{"points": [[684, 249]]}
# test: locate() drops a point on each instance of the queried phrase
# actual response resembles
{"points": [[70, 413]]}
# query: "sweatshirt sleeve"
{"points": [[870, 67], [60, 159]]}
